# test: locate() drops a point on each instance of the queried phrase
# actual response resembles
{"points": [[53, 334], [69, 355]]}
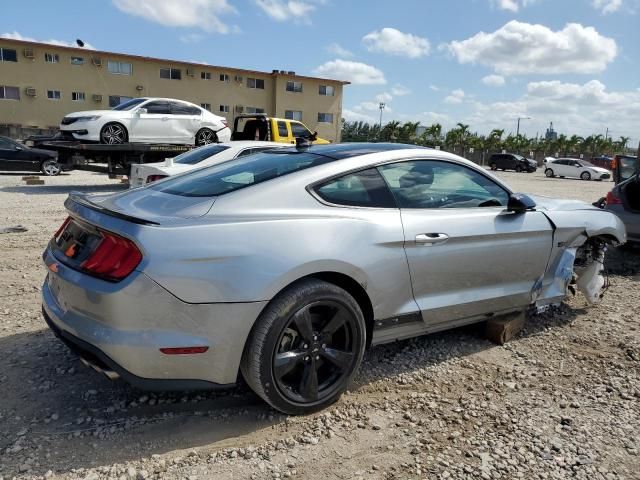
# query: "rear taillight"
{"points": [[61, 229], [114, 258], [153, 178], [225, 123], [613, 199]]}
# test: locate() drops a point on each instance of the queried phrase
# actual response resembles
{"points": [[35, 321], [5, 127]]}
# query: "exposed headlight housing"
{"points": [[88, 118]]}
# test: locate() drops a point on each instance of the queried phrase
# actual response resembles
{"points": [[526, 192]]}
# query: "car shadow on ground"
{"points": [[623, 261], [71, 417], [64, 189], [32, 174]]}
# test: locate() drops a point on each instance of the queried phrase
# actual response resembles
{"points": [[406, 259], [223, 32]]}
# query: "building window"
{"points": [[255, 83], [327, 90], [224, 108], [119, 68], [205, 75], [77, 61], [8, 55], [325, 117], [115, 100], [53, 94], [294, 87], [9, 93], [206, 106], [77, 96], [51, 57], [253, 110], [293, 115], [224, 78], [171, 73]]}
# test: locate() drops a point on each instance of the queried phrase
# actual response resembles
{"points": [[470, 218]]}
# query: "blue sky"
{"points": [[480, 62]]}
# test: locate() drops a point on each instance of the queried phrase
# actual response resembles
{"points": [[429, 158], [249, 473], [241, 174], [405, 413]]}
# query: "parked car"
{"points": [[574, 168], [624, 201], [602, 161], [142, 174], [19, 158], [282, 130], [511, 161], [154, 120], [285, 265]]}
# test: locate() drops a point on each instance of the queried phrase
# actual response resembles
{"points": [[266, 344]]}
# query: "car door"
{"points": [[16, 157], [185, 120], [283, 132], [298, 130], [561, 168], [151, 123], [468, 256]]}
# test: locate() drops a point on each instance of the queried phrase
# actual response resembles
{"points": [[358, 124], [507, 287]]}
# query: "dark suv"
{"points": [[511, 161]]}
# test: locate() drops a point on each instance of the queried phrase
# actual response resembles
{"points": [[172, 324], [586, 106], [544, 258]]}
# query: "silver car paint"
{"points": [[210, 274]]}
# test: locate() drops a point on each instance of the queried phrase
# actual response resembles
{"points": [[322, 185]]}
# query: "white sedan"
{"points": [[575, 168], [142, 174], [148, 120]]}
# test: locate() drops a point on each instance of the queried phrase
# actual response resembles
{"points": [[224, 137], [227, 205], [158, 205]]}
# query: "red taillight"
{"points": [[183, 350], [225, 123], [613, 199], [113, 259], [153, 178], [61, 229]]}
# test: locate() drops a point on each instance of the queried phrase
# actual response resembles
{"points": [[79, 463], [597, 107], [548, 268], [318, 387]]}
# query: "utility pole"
{"points": [[381, 107], [521, 118]]}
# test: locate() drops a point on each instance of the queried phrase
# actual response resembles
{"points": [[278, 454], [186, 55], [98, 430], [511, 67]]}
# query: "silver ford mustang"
{"points": [[284, 266]]}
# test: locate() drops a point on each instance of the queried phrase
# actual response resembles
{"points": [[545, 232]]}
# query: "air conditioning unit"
{"points": [[190, 72], [28, 53], [239, 109], [97, 97], [30, 92], [239, 78], [97, 61]]}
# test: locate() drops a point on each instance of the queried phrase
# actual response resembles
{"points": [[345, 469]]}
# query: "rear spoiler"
{"points": [[81, 199]]}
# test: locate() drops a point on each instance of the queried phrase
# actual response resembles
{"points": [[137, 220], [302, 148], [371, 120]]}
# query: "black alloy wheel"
{"points": [[113, 134], [206, 136]]}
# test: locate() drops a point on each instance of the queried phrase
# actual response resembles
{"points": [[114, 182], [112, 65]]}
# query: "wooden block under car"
{"points": [[502, 329], [35, 182], [31, 177]]}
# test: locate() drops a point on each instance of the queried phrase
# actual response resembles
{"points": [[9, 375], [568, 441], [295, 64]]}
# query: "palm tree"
{"points": [[463, 136], [391, 131], [408, 132], [622, 143]]}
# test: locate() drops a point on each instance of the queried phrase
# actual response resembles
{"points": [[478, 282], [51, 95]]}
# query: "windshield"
{"points": [[199, 154], [128, 105], [519, 157], [239, 173]]}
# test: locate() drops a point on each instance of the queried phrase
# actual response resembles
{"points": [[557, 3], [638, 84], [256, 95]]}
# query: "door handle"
{"points": [[429, 239]]}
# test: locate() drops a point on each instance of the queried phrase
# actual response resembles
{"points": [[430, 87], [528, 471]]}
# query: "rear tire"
{"points": [[585, 176], [305, 347], [493, 166], [114, 134], [51, 168], [518, 169], [549, 173], [206, 136]]}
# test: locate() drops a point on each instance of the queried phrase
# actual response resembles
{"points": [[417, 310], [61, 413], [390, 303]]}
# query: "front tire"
{"points": [[549, 173], [206, 136], [585, 176], [51, 168], [114, 134], [305, 347], [493, 166]]}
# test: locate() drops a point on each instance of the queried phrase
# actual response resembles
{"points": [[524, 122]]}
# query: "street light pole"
{"points": [[521, 118], [381, 107]]}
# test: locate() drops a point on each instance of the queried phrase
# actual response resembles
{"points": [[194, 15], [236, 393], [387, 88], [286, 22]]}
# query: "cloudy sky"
{"points": [[481, 62]]}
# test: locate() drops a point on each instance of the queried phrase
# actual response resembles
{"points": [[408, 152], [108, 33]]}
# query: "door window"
{"points": [[179, 108], [158, 107], [437, 184], [6, 144], [361, 189], [283, 131], [298, 130]]}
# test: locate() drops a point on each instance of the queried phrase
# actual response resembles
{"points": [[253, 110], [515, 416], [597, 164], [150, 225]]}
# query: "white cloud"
{"points": [[204, 14], [607, 6], [371, 107], [384, 97], [17, 36], [400, 90], [434, 88], [191, 38], [520, 48], [493, 80], [511, 5], [355, 72], [352, 116], [283, 10], [455, 97], [395, 42], [339, 51]]}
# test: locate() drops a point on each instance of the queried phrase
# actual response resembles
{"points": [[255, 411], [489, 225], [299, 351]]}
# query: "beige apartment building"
{"points": [[40, 83]]}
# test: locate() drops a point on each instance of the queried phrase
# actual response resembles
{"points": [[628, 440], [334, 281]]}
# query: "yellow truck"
{"points": [[262, 127]]}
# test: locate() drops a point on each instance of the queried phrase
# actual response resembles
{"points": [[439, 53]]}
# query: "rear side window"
{"points": [[283, 131], [178, 108], [239, 173], [361, 189]]}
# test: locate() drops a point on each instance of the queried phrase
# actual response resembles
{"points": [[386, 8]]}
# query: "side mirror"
{"points": [[520, 203], [141, 110], [18, 147], [313, 137]]}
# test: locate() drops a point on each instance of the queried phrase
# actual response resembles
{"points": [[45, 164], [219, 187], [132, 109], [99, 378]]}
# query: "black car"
{"points": [[20, 158], [511, 161]]}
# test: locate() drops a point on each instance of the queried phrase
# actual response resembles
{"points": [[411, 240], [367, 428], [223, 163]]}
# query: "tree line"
{"points": [[461, 140]]}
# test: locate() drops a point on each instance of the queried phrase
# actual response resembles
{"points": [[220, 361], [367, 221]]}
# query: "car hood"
{"points": [[599, 169], [91, 113], [146, 204]]}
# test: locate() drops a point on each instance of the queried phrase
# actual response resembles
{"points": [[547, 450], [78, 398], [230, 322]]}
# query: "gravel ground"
{"points": [[562, 400]]}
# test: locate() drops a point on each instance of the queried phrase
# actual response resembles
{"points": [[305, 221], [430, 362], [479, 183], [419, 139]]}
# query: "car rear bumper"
{"points": [[119, 329]]}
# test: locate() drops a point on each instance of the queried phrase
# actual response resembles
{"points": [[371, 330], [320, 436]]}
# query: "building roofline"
{"points": [[155, 59]]}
